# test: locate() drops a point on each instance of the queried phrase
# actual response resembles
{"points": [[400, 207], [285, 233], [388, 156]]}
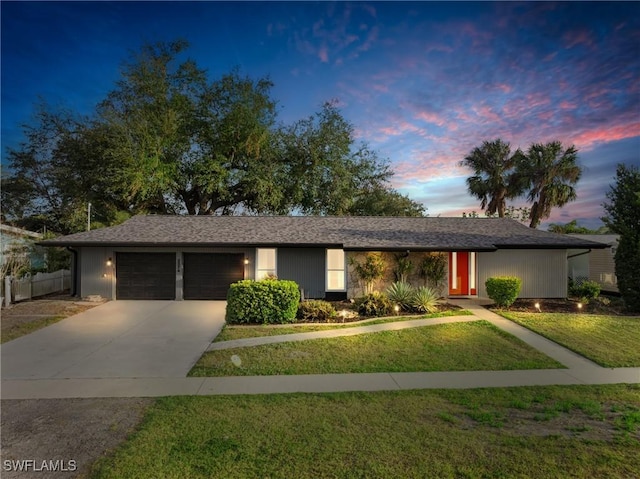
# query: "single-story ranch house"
{"points": [[198, 257]]}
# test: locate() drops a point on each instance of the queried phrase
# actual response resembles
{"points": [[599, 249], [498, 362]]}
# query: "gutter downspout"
{"points": [[579, 254], [74, 279]]}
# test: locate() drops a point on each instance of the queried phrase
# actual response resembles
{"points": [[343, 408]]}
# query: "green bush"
{"points": [[503, 290], [316, 310], [586, 290], [425, 300], [401, 293], [374, 304], [262, 302]]}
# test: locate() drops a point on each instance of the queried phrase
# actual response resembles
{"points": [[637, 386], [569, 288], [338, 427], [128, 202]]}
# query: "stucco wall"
{"points": [[543, 272]]}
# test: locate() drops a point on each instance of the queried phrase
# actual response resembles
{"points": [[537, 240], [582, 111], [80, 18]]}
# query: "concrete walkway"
{"points": [[339, 332], [579, 371]]}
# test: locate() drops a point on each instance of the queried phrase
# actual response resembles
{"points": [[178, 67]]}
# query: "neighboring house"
{"points": [[198, 257], [595, 264], [16, 241]]}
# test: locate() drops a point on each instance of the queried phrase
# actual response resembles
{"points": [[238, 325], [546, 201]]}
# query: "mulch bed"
{"points": [[596, 306]]}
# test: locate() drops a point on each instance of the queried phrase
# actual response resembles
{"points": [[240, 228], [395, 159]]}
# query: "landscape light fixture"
{"points": [[537, 306], [396, 308], [579, 305]]}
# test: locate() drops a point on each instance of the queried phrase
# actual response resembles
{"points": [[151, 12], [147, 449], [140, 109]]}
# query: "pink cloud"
{"points": [[588, 139]]}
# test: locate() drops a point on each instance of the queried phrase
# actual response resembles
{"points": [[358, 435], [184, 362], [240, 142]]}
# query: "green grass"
{"points": [[22, 329], [611, 341], [251, 331], [409, 434], [465, 346]]}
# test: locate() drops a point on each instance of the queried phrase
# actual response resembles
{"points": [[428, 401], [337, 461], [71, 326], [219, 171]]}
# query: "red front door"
{"points": [[458, 273]]}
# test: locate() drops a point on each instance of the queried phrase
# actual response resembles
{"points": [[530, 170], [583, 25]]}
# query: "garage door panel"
{"points": [[145, 276], [209, 275]]}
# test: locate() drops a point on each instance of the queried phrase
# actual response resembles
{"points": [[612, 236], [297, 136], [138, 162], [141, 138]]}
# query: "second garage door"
{"points": [[209, 275]]}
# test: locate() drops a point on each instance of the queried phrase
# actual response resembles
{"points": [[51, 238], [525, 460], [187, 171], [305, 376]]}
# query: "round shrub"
{"points": [[262, 302], [316, 310], [503, 290], [374, 304]]}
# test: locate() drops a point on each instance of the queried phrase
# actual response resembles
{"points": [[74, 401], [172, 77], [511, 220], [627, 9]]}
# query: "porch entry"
{"points": [[462, 273]]}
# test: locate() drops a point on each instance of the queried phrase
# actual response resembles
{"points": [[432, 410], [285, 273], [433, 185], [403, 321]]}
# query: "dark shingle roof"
{"points": [[367, 233]]}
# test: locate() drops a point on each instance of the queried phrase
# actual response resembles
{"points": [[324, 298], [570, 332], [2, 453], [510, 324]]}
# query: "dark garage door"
{"points": [[208, 275], [146, 276]]}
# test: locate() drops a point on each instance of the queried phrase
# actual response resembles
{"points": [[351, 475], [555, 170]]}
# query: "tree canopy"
{"points": [[546, 174], [623, 218], [167, 139], [572, 227], [494, 178], [551, 172]]}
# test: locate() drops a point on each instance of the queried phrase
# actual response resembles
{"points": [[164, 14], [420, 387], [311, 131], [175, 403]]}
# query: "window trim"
{"points": [[330, 270], [262, 273]]}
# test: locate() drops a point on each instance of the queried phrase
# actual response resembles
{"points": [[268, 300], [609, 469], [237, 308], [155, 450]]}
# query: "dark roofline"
{"points": [[130, 244], [550, 246]]}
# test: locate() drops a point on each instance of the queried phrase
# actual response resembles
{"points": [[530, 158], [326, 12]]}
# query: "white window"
{"points": [[335, 270], [265, 262], [472, 270], [454, 270]]}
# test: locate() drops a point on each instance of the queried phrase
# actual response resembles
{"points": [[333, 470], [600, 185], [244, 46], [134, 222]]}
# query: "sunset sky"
{"points": [[423, 83]]}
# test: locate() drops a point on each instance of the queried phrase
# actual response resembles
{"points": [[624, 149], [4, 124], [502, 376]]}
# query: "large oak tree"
{"points": [[169, 140]]}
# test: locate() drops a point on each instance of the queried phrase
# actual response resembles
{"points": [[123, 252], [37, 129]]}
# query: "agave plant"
{"points": [[401, 293], [425, 300]]}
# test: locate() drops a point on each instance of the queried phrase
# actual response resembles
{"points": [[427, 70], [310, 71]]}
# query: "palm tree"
{"points": [[495, 177], [551, 172]]}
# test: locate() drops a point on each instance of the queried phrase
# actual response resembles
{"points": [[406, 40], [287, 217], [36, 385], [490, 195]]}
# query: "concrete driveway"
{"points": [[119, 339]]}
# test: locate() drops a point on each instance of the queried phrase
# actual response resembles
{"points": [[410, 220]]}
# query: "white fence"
{"points": [[34, 286]]}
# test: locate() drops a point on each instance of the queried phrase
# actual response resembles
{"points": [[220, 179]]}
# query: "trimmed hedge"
{"points": [[269, 301], [503, 290]]}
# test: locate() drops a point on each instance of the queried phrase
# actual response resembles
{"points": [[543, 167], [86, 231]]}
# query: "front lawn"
{"points": [[536, 432], [471, 346], [244, 331], [611, 341]]}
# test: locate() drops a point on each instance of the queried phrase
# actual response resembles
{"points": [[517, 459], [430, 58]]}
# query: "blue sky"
{"points": [[422, 82]]}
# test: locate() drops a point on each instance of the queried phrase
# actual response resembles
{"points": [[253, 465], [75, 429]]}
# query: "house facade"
{"points": [[595, 264], [198, 257]]}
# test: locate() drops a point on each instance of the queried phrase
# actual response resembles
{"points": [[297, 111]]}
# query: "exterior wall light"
{"points": [[246, 261], [109, 262]]}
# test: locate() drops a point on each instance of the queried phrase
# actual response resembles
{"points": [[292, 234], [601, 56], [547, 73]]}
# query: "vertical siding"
{"points": [[543, 272], [602, 269], [92, 268], [305, 266]]}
